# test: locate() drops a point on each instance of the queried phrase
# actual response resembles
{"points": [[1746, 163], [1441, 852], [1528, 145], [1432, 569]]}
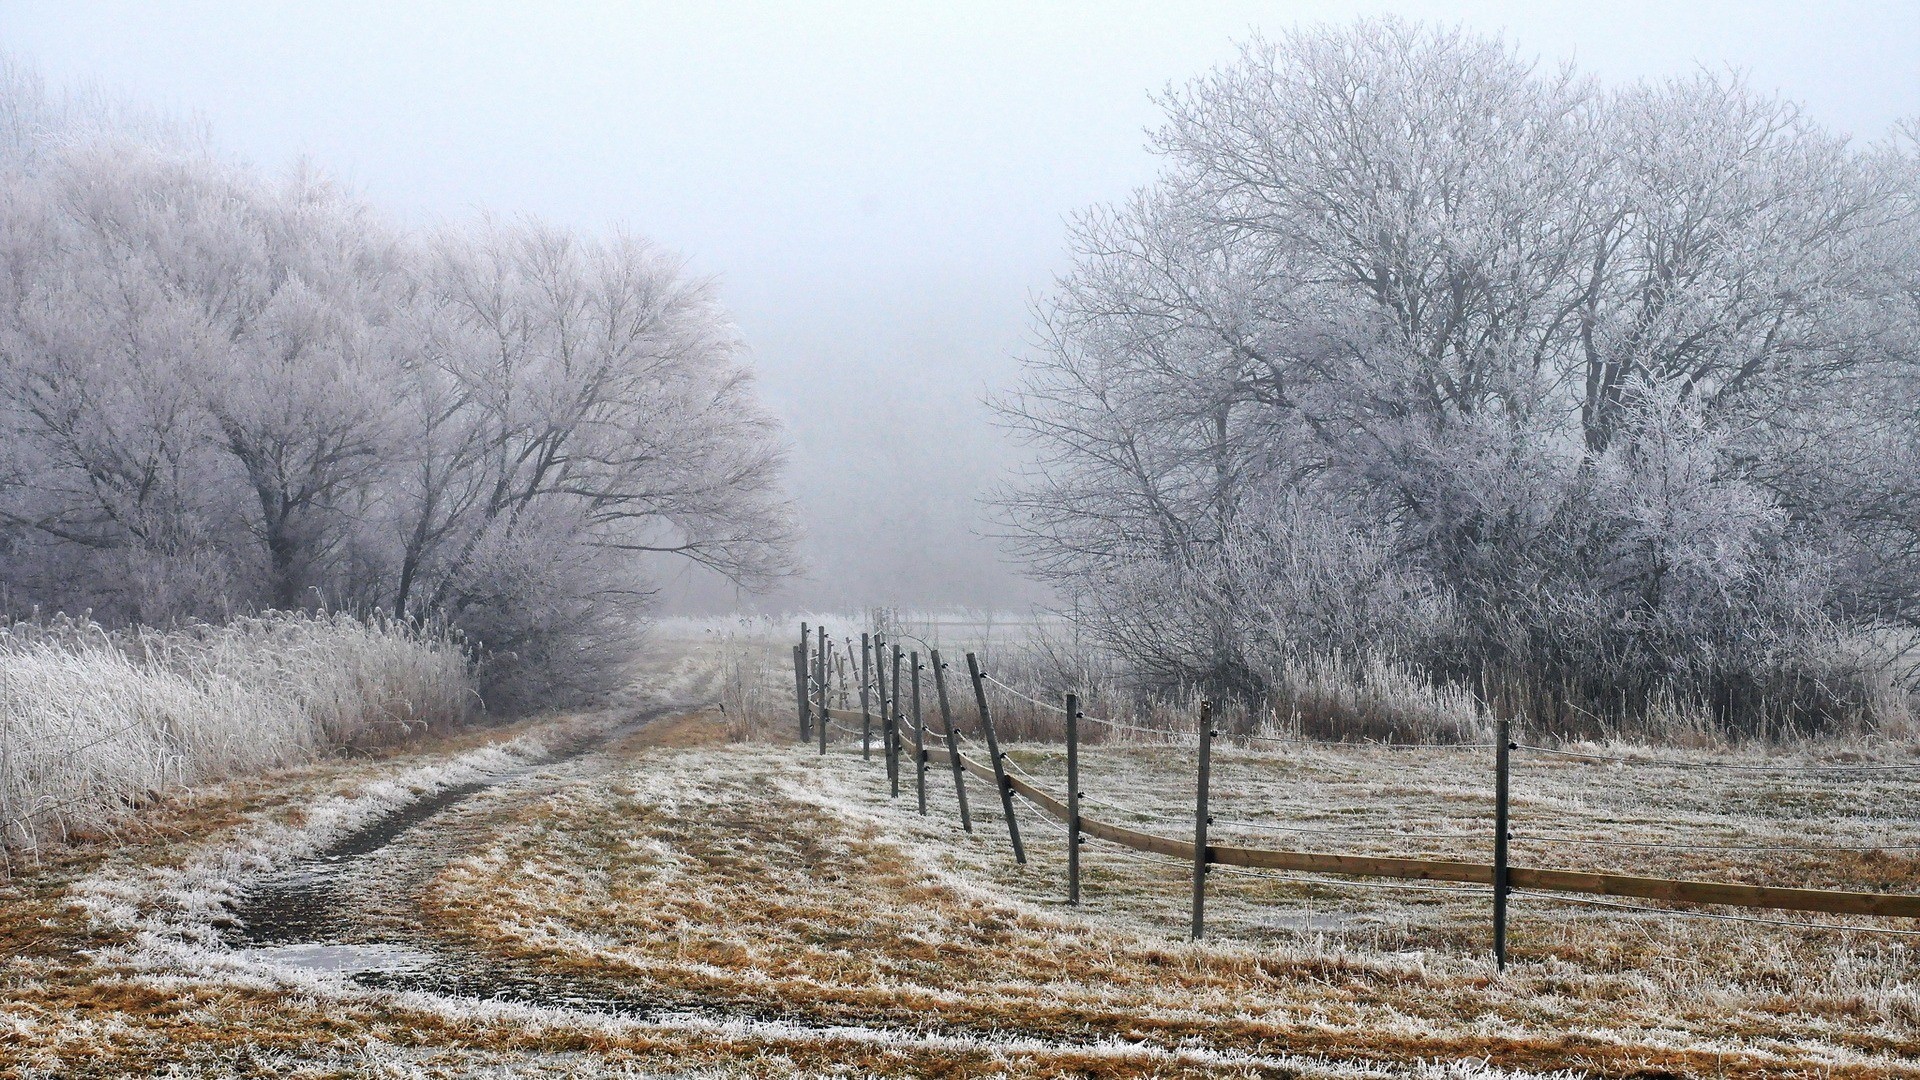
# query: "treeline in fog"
{"points": [[1421, 356], [223, 392]]}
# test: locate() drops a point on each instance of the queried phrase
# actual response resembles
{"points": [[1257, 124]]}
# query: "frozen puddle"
{"points": [[340, 959]]}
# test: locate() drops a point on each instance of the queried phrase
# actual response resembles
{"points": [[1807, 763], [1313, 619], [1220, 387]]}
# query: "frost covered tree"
{"points": [[220, 392], [1564, 392]]}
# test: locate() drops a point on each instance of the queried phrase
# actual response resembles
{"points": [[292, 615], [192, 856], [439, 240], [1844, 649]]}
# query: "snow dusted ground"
{"points": [[669, 901]]}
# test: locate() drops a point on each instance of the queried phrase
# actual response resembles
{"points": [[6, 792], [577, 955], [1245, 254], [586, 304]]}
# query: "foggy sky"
{"points": [[881, 189]]}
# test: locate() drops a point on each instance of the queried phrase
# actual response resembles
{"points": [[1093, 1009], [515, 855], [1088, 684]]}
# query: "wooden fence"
{"points": [[813, 693]]}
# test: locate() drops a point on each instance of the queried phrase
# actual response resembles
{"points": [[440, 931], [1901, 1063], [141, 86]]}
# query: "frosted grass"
{"points": [[94, 723]]}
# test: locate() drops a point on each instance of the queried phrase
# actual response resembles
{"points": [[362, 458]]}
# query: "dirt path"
{"points": [[355, 908]]}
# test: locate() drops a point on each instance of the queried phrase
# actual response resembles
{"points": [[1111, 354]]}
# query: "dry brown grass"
{"points": [[763, 879], [763, 882]]}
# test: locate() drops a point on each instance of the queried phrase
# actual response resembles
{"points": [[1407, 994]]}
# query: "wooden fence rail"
{"points": [[1676, 890], [1203, 853]]}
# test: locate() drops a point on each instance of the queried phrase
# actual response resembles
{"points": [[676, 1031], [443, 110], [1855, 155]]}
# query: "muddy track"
{"points": [[354, 907]]}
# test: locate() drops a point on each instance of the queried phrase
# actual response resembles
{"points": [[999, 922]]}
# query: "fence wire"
{"points": [[1684, 913], [1170, 734], [1728, 766], [958, 738]]}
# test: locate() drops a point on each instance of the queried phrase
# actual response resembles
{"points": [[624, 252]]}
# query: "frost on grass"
{"points": [[93, 722], [787, 918], [175, 911], [764, 878]]}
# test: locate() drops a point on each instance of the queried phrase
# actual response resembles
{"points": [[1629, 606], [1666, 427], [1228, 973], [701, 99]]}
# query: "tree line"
{"points": [[222, 391], [1599, 400]]}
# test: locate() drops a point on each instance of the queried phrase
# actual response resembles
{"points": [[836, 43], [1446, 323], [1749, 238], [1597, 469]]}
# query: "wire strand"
{"points": [[1659, 846], [1673, 763], [1238, 871], [1681, 913], [1572, 841], [1303, 830], [1248, 736]]}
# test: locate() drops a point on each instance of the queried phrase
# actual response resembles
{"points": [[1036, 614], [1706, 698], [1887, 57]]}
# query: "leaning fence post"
{"points": [[953, 739], [999, 760], [892, 734], [1201, 821], [1073, 798], [800, 690], [1500, 838], [919, 738]]}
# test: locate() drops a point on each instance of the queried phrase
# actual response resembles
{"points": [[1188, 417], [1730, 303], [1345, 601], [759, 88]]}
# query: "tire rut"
{"points": [[353, 908]]}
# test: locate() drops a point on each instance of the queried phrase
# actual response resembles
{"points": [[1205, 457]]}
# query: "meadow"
{"points": [[612, 894]]}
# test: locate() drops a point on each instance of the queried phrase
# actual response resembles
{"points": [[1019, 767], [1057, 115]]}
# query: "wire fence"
{"points": [[1203, 854]]}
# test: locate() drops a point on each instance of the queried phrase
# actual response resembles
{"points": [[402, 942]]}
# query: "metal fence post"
{"points": [[1500, 838], [1073, 798], [953, 739], [1201, 821], [999, 759]]}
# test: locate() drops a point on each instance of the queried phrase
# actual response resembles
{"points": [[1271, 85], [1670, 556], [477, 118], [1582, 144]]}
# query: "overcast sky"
{"points": [[880, 187]]}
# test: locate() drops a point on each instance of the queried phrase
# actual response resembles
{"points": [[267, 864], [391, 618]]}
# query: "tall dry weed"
{"points": [[94, 722]]}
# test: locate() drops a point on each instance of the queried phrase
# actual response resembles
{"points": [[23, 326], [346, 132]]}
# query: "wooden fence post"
{"points": [[893, 727], [879, 695], [999, 759], [886, 708], [866, 680], [953, 739], [1073, 798], [806, 669], [919, 738], [800, 690], [820, 679], [1500, 838], [1201, 821]]}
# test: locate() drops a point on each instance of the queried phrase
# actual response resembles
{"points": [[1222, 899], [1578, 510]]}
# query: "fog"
{"points": [[880, 189]]}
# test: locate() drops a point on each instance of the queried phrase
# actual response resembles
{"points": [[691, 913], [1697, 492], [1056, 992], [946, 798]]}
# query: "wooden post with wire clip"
{"points": [[1073, 798], [999, 759], [1200, 822], [1502, 886], [919, 738], [892, 731], [879, 695], [866, 682], [800, 690], [953, 739]]}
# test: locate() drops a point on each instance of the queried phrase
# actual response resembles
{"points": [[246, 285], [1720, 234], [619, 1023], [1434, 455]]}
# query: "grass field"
{"points": [[680, 900]]}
